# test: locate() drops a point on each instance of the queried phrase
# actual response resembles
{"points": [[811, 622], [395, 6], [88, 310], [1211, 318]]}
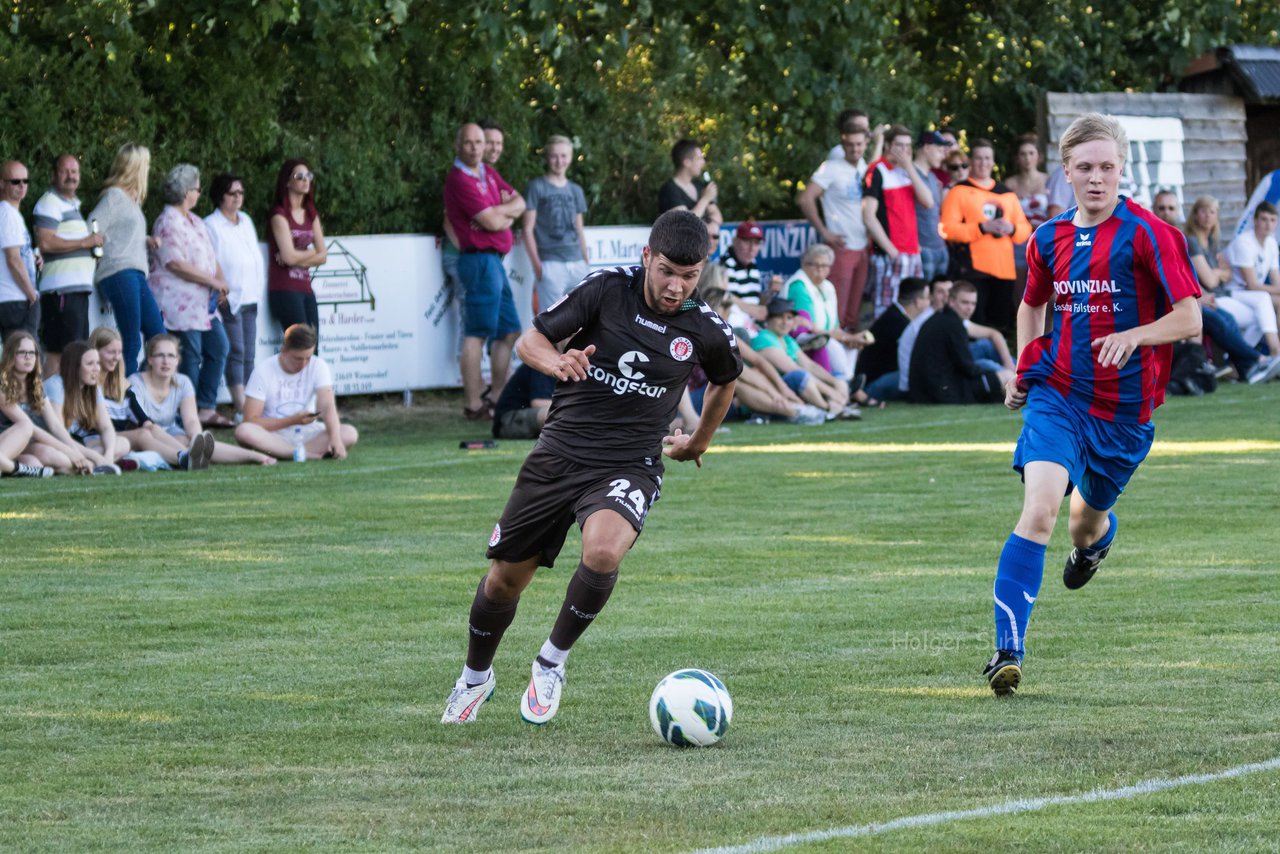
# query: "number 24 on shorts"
{"points": [[635, 496]]}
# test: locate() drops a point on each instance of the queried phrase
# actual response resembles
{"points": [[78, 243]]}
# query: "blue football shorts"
{"points": [[1100, 456]]}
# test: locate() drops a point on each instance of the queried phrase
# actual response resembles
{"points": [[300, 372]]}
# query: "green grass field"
{"points": [[257, 659]]}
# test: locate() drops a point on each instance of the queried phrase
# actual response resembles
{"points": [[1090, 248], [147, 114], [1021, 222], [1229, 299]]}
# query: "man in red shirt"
{"points": [[893, 190], [481, 207]]}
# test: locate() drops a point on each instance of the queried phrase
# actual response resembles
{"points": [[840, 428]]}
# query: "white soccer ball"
{"points": [[690, 708]]}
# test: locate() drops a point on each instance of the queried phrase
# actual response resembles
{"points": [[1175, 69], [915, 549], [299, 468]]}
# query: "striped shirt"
{"points": [[64, 272], [1123, 273]]}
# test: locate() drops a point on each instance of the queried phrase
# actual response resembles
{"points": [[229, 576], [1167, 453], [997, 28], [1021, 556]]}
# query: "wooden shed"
{"points": [[1191, 144]]}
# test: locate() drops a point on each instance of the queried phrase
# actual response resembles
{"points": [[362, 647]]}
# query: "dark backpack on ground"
{"points": [[1191, 372]]}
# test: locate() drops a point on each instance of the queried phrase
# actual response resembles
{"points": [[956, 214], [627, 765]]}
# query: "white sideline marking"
{"points": [[1146, 787]]}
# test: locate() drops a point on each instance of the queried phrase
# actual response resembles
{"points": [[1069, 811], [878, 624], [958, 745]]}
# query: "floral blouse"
{"points": [[183, 237]]}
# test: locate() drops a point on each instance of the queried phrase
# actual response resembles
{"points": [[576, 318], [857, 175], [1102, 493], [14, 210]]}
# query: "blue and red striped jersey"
{"points": [[1123, 273]]}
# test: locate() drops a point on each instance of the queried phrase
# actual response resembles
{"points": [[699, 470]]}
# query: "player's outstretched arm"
{"points": [[683, 447], [1183, 321], [539, 353]]}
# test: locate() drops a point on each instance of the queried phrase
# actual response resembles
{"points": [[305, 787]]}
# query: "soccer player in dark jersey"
{"points": [[1122, 290], [634, 335]]}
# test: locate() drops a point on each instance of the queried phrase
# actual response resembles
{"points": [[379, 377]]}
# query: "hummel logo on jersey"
{"points": [[656, 327], [1084, 238], [625, 364], [1086, 286]]}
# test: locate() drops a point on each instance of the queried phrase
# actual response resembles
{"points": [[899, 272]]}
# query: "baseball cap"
{"points": [[750, 230], [781, 305], [931, 137]]}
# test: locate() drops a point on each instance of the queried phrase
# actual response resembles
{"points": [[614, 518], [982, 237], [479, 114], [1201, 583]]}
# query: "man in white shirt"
{"points": [[19, 302], [1255, 256], [289, 402], [838, 185]]}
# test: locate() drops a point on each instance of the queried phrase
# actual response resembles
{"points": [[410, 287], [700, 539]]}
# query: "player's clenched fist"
{"points": [[572, 364]]}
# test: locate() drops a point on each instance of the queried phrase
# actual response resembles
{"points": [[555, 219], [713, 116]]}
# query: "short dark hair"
{"points": [[963, 287], [896, 131], [490, 124], [948, 130], [982, 142], [299, 337], [1265, 207], [910, 288], [848, 120], [681, 236], [221, 186], [683, 150]]}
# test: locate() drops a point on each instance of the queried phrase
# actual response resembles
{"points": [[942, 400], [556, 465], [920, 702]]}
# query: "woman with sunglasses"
{"points": [[295, 243], [236, 243]]}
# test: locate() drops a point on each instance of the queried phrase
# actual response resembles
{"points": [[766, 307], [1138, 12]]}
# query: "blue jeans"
{"points": [[934, 262], [204, 355], [137, 316], [1222, 328], [242, 335], [885, 387]]}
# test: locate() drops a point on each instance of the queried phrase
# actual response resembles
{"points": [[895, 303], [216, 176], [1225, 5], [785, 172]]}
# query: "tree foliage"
{"points": [[370, 92]]}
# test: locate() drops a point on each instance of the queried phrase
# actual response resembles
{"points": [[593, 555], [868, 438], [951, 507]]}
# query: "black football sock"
{"points": [[588, 592], [489, 620]]}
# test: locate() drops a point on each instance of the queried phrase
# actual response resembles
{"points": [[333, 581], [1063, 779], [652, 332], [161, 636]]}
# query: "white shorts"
{"points": [[1253, 310]]}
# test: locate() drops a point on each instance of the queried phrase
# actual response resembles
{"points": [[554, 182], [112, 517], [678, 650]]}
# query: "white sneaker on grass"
{"points": [[464, 702], [542, 699]]}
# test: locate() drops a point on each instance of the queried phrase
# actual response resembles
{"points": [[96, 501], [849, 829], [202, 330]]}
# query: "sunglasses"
{"points": [[956, 167], [16, 182], [304, 176]]}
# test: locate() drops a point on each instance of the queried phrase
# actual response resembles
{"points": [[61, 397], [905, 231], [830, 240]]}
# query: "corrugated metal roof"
{"points": [[1256, 68]]}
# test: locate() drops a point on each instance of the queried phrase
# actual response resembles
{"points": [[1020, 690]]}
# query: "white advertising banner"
{"points": [[389, 323]]}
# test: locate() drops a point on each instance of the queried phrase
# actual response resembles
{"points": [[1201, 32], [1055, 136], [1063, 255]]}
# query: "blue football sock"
{"points": [[1017, 585], [1112, 524]]}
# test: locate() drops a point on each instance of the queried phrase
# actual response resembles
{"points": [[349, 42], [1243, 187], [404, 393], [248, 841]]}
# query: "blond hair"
{"points": [[1093, 126], [114, 384], [129, 170]]}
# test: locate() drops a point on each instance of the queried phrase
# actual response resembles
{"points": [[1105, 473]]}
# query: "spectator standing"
{"points": [[690, 188], [482, 207], [1220, 325], [894, 188], [957, 169], [121, 275], [942, 366], [855, 119], [235, 243], [931, 148], [67, 246], [188, 286], [952, 142], [1058, 193], [837, 184], [494, 140], [19, 302], [290, 402], [295, 246], [1028, 183], [984, 218], [554, 235]]}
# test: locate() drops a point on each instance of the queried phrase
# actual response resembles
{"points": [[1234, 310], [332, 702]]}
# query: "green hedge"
{"points": [[370, 92]]}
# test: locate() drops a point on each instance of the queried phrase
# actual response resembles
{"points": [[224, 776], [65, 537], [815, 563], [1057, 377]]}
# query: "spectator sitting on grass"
{"points": [[805, 377], [818, 314], [22, 399], [128, 417], [942, 368], [74, 393], [760, 388], [522, 407], [290, 399], [168, 399]]}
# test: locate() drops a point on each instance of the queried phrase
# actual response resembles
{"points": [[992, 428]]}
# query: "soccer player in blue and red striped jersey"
{"points": [[1122, 289]]}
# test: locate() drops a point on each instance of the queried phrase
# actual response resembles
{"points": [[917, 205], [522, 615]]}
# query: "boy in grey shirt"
{"points": [[553, 229]]}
